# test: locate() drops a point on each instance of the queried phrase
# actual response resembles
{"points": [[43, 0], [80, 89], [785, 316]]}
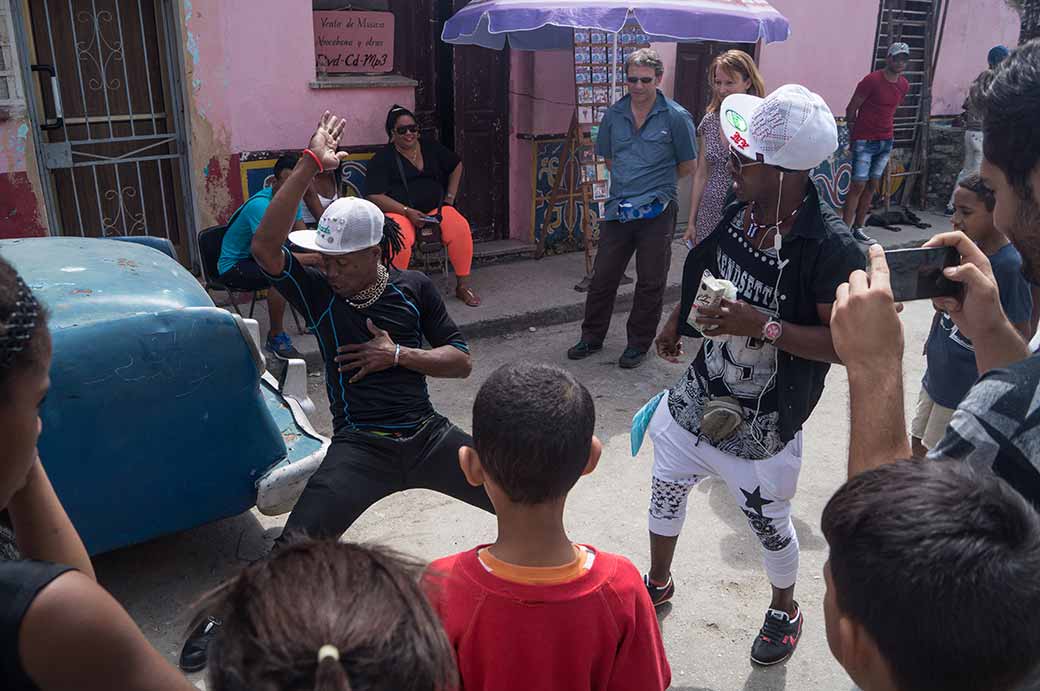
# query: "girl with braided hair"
{"points": [[361, 623], [58, 628]]}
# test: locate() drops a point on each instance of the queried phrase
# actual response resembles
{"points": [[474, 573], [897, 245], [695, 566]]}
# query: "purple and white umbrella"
{"points": [[540, 25]]}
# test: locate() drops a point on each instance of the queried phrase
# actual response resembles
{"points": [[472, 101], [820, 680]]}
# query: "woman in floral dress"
{"points": [[732, 72]]}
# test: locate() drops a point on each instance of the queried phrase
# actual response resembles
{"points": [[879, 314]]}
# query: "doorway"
{"points": [[462, 100], [693, 92], [108, 120]]}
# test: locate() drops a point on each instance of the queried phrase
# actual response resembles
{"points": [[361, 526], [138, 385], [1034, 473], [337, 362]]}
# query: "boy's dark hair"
{"points": [[939, 564], [365, 601], [23, 325], [532, 427], [1009, 104], [973, 183], [285, 162]]}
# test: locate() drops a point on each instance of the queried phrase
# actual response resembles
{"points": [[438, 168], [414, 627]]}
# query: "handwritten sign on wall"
{"points": [[349, 42]]}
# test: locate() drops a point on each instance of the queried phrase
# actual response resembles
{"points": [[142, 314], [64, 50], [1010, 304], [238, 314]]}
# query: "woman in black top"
{"points": [[432, 173], [58, 628]]}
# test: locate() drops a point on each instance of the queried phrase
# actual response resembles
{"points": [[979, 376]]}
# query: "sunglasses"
{"points": [[407, 129], [740, 162], [636, 80]]}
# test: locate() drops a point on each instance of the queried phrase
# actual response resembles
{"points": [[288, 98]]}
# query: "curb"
{"points": [[550, 316]]}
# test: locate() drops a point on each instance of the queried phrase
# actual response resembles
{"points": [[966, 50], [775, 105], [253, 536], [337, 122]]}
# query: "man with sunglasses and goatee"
{"points": [[737, 412], [649, 142]]}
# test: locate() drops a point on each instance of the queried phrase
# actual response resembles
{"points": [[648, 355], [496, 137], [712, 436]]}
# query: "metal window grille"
{"points": [[9, 90]]}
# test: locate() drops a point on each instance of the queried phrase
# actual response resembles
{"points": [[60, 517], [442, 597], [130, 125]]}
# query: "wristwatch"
{"points": [[772, 330]]}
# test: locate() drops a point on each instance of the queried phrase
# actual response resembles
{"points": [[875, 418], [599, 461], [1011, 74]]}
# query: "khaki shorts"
{"points": [[930, 421]]}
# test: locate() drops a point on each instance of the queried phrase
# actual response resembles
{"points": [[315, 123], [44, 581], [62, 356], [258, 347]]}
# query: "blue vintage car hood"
{"points": [[85, 281], [155, 420]]}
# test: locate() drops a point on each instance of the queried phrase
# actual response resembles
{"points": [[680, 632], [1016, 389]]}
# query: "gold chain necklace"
{"points": [[367, 297], [413, 159]]}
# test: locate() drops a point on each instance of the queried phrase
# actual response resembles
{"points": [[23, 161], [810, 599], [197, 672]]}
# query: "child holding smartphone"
{"points": [[951, 368]]}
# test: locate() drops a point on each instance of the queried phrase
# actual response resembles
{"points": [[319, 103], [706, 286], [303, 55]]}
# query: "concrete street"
{"points": [[721, 592]]}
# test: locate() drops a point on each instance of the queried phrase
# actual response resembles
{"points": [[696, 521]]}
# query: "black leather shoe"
{"points": [[863, 237], [631, 358], [195, 652], [583, 349]]}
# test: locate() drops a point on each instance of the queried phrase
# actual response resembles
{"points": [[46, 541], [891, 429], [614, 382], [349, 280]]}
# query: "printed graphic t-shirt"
{"points": [[737, 366]]}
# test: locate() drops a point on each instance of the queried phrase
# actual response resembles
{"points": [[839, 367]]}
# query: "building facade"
{"points": [[162, 116]]}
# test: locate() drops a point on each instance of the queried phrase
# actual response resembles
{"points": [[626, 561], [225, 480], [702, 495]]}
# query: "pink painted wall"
{"points": [[832, 42], [247, 80], [972, 28], [249, 68], [15, 140], [828, 51]]}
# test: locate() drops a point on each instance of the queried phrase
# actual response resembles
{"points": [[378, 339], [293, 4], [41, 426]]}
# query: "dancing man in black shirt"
{"points": [[370, 320]]}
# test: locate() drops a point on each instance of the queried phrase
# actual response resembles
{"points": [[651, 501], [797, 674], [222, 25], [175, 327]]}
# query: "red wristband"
{"points": [[317, 161]]}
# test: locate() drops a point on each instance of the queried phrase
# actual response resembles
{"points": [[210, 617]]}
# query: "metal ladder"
{"points": [[916, 23]]}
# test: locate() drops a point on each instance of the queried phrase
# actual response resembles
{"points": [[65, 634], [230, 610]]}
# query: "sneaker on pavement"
{"points": [[949, 210], [195, 652], [631, 358], [777, 638], [659, 594], [281, 345], [583, 349], [863, 237]]}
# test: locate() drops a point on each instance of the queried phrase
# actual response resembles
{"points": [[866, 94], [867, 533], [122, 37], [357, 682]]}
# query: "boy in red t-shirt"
{"points": [[534, 611], [870, 118]]}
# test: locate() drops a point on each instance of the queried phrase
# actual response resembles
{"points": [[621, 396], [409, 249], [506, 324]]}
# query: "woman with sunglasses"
{"points": [[412, 179], [733, 72], [59, 628]]}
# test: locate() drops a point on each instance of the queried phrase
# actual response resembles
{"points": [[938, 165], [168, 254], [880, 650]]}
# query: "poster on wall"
{"points": [[352, 42], [599, 82]]}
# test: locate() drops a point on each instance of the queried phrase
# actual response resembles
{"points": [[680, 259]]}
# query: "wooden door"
{"points": [[416, 38], [692, 89], [481, 138], [112, 137]]}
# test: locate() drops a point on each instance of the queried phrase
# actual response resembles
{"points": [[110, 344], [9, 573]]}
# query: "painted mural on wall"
{"points": [[563, 229], [834, 176]]}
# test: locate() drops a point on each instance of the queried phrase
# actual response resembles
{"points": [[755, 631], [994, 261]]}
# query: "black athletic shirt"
{"points": [[410, 310], [20, 582], [426, 187]]}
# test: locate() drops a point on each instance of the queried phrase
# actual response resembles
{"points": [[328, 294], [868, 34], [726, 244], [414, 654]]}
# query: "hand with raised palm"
{"points": [[325, 142]]}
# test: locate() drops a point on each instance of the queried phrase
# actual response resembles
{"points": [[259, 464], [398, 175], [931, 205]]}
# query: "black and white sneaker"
{"points": [[195, 652], [860, 236], [778, 637], [659, 594]]}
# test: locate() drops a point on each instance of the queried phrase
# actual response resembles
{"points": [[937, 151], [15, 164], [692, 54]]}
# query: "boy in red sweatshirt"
{"points": [[535, 611]]}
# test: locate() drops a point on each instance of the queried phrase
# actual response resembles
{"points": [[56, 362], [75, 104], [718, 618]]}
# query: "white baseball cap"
{"points": [[791, 128], [349, 224], [898, 49]]}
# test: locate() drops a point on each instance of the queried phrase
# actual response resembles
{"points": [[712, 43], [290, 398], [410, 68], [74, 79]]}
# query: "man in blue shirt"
{"points": [[649, 142], [236, 266]]}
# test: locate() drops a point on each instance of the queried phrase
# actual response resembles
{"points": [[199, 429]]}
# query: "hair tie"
{"points": [[326, 651]]}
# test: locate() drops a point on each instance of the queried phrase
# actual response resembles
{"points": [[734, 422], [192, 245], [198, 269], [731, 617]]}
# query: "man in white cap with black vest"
{"points": [[370, 320], [737, 412]]}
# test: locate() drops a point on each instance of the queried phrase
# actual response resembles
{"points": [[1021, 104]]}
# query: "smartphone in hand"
{"points": [[917, 274]]}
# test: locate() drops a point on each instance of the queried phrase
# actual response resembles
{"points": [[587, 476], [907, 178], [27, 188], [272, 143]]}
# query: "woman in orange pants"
{"points": [[410, 179]]}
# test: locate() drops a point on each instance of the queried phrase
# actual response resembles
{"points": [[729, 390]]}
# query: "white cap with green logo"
{"points": [[791, 128], [348, 225]]}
